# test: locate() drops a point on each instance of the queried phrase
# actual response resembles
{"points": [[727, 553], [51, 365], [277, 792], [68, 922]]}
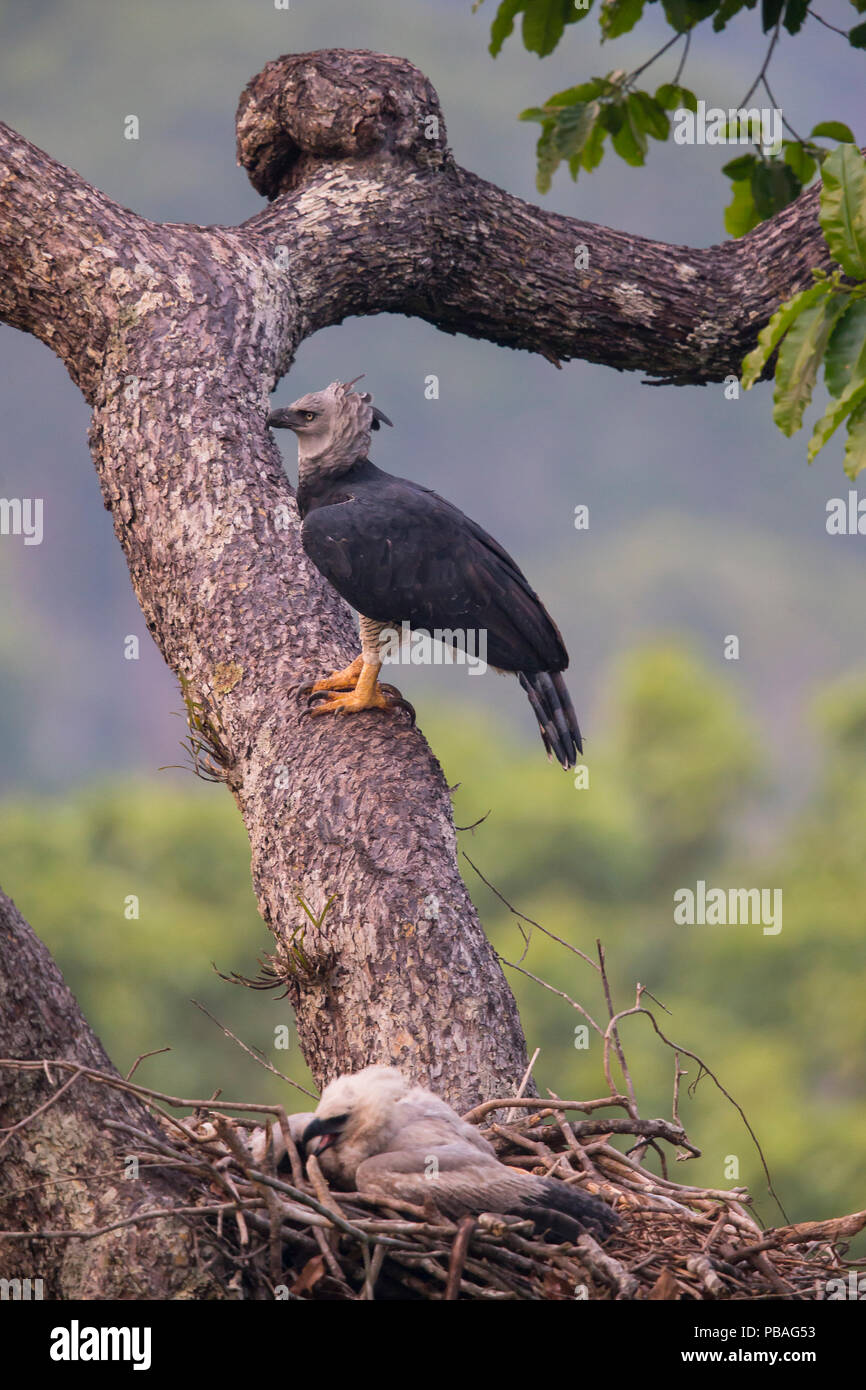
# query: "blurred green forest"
{"points": [[674, 796], [704, 523]]}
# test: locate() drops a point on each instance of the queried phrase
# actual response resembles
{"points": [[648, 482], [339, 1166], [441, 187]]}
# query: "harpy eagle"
{"points": [[400, 554], [376, 1133]]}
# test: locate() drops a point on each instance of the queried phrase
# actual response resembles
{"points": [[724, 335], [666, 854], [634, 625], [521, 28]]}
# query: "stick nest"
{"points": [[289, 1236]]}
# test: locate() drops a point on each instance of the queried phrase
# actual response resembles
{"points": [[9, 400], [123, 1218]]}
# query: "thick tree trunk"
{"points": [[176, 335], [62, 1169]]}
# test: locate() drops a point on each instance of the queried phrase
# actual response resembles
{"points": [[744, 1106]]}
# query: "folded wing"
{"points": [[398, 553]]}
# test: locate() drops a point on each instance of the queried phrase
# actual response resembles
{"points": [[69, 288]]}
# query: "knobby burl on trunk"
{"points": [[177, 334]]}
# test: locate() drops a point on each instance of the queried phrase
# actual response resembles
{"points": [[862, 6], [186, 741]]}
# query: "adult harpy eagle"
{"points": [[376, 1133], [399, 553]]}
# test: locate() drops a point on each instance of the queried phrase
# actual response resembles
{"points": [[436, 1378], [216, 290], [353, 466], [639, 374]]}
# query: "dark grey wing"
{"points": [[400, 553], [459, 1179]]}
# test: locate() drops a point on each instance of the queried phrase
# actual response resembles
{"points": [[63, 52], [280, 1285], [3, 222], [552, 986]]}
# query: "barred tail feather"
{"points": [[554, 711], [560, 1211]]}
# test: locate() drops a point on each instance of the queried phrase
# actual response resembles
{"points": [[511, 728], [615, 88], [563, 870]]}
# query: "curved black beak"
{"points": [[326, 1131], [283, 419]]}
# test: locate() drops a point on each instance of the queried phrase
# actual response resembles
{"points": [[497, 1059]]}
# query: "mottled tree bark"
{"points": [[177, 334], [62, 1169]]}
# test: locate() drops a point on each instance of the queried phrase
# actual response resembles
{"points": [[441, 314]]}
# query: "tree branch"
{"points": [[177, 334], [390, 223]]}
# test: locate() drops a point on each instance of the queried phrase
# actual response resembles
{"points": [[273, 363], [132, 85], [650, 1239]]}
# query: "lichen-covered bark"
{"points": [[177, 334], [62, 1169], [347, 140]]}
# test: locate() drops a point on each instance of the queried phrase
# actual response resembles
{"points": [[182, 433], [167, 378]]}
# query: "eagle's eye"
{"points": [[309, 414]]}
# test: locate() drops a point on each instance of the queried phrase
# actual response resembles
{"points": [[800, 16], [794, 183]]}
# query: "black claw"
{"points": [[396, 700], [308, 704]]}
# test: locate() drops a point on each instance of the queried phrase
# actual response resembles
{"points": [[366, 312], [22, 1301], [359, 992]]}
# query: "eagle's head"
{"points": [[354, 1118], [332, 426]]}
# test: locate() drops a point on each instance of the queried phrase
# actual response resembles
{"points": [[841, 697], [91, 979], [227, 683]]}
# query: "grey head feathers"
{"points": [[332, 427]]}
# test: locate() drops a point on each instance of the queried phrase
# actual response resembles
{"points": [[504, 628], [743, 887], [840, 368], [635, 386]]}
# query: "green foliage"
{"points": [[727, 9], [741, 214], [619, 16], [683, 15], [843, 209], [795, 15], [72, 863], [773, 331], [833, 130], [671, 96], [543, 24], [689, 759], [576, 123], [763, 184], [800, 356], [673, 797], [825, 324]]}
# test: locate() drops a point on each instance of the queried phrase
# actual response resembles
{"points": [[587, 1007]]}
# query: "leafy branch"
{"points": [[826, 323], [575, 123]]}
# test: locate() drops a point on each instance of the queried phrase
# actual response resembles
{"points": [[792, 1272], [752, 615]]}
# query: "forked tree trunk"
{"points": [[177, 334]]}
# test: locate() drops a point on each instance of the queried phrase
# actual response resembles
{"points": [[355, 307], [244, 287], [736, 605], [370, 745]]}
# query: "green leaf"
{"points": [[770, 12], [795, 14], [846, 348], [745, 131], [544, 24], [649, 114], [833, 130], [795, 155], [857, 36], [629, 140], [843, 208], [535, 113], [799, 359], [685, 14], [593, 151], [741, 215], [586, 91], [851, 398], [503, 23], [677, 14], [547, 158], [741, 167], [772, 332], [573, 127], [727, 9], [613, 115], [855, 445], [774, 186], [672, 97], [619, 16]]}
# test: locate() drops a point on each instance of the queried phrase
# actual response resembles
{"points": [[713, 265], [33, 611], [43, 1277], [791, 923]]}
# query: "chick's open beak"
{"points": [[321, 1134]]}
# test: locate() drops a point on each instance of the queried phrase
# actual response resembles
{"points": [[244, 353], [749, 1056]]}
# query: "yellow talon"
{"points": [[346, 679], [366, 694]]}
